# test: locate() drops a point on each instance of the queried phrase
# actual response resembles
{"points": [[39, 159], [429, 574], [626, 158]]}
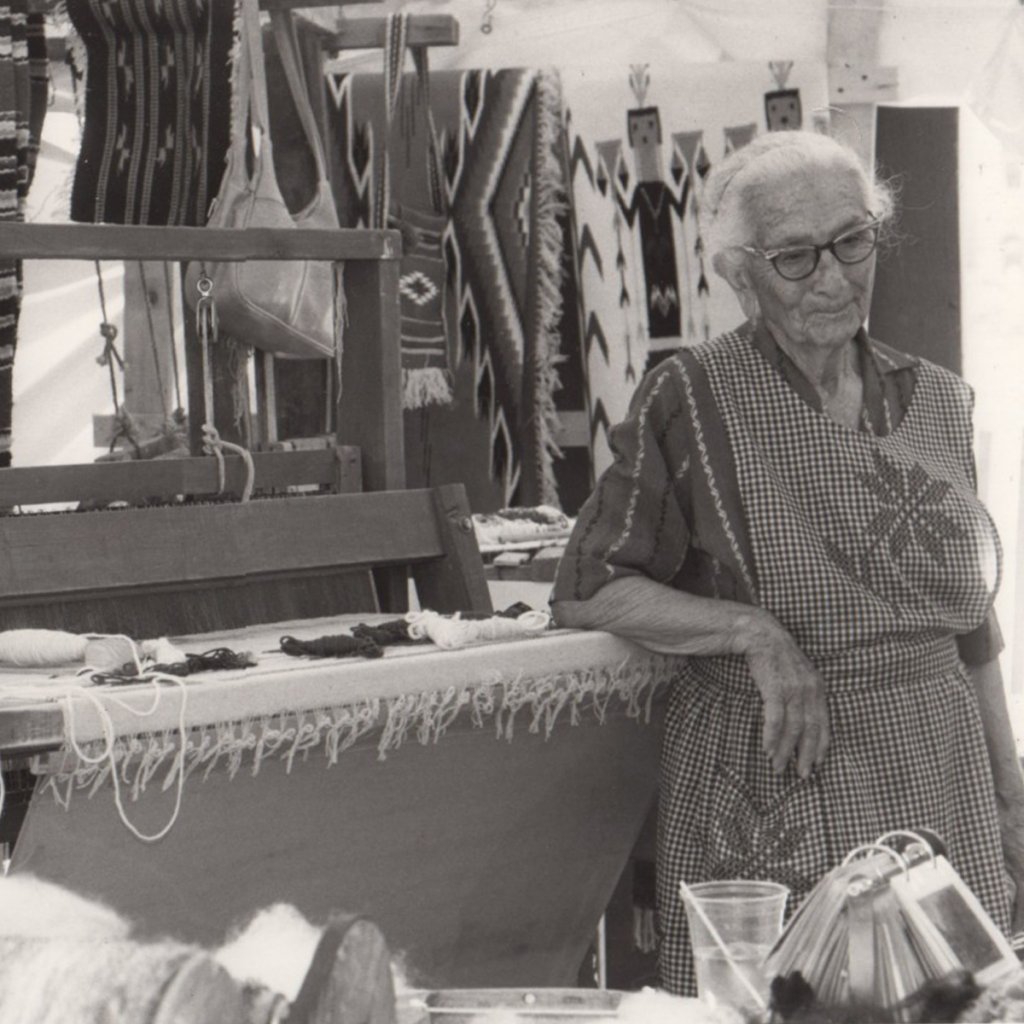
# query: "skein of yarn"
{"points": [[51, 648], [39, 648], [450, 631]]}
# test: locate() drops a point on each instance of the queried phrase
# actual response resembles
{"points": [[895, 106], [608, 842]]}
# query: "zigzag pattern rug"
{"points": [[641, 142], [502, 245]]}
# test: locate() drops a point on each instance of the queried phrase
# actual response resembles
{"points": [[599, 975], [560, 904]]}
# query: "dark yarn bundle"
{"points": [[937, 1000], [338, 645], [368, 641], [219, 658], [513, 611], [215, 660], [387, 634]]}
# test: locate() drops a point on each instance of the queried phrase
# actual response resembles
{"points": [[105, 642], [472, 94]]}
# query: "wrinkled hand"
{"points": [[795, 712]]}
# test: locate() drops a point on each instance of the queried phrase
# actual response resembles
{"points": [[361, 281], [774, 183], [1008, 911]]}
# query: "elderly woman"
{"points": [[792, 505]]}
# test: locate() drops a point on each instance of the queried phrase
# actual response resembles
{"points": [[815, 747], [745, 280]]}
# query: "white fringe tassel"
{"points": [[428, 386], [551, 205], [132, 763]]}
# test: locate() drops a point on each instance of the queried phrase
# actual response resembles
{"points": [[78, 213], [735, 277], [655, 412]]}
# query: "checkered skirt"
{"points": [[873, 552]]}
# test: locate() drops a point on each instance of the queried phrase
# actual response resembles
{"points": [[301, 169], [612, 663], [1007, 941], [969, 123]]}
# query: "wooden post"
{"points": [[856, 83], [455, 582], [148, 340], [369, 402], [370, 397], [147, 344]]}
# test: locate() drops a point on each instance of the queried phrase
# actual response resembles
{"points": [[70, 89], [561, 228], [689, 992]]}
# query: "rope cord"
{"points": [[213, 443], [108, 332], [108, 754]]}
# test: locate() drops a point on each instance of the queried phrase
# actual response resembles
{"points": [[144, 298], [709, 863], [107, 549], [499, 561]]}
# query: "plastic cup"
{"points": [[748, 919]]}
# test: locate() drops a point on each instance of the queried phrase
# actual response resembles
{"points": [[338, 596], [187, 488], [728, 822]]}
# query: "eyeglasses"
{"points": [[795, 262]]}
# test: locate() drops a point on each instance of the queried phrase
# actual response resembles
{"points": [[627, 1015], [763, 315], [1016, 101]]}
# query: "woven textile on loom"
{"points": [[157, 108], [641, 143], [491, 286], [23, 93]]}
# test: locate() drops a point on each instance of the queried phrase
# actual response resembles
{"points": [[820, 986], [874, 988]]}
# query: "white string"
{"points": [[107, 754]]}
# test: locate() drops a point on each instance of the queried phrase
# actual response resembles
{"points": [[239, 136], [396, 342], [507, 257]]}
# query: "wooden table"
{"points": [[479, 804]]}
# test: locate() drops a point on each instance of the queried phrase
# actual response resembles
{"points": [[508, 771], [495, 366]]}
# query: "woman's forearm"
{"points": [[672, 622], [668, 621]]}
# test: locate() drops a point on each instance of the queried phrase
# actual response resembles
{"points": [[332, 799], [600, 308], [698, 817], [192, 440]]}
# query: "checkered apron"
{"points": [[873, 552]]}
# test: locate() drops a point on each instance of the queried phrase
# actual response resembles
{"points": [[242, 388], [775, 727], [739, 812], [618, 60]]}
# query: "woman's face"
{"points": [[825, 310]]}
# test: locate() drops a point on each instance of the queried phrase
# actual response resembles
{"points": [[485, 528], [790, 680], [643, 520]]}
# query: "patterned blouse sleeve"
{"points": [[635, 523]]}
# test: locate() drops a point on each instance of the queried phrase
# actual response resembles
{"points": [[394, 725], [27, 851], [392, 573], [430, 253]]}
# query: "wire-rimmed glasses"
{"points": [[795, 262]]}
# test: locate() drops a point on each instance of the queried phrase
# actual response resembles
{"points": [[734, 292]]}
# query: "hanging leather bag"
{"points": [[289, 308]]}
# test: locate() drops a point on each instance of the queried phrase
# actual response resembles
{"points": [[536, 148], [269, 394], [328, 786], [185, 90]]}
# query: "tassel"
{"points": [[429, 386]]}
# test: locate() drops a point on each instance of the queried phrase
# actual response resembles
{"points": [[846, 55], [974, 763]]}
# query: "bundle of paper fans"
{"points": [[892, 934]]}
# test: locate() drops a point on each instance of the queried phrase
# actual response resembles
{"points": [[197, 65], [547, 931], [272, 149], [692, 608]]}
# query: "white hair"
{"points": [[760, 166]]}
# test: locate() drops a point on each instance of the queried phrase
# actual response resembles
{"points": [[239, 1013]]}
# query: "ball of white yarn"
{"points": [[36, 648]]}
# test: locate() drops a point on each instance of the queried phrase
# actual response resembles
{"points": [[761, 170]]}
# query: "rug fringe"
{"points": [[536, 704], [551, 205], [428, 386]]}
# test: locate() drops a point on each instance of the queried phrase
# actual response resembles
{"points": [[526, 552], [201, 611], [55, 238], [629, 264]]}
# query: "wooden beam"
{"points": [[135, 481], [370, 33], [266, 5], [175, 548], [46, 6], [117, 242]]}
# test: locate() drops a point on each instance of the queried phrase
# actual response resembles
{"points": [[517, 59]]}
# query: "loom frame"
{"points": [[428, 530]]}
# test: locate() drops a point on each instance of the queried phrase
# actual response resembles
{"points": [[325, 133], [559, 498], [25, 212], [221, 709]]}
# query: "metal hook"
{"points": [[487, 25]]}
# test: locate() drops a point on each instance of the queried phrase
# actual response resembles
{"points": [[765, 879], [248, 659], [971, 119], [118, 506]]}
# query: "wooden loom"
{"points": [[187, 567], [231, 565]]}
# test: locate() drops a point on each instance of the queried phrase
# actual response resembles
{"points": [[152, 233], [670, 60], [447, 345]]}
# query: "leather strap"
{"points": [[257, 69], [283, 25]]}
